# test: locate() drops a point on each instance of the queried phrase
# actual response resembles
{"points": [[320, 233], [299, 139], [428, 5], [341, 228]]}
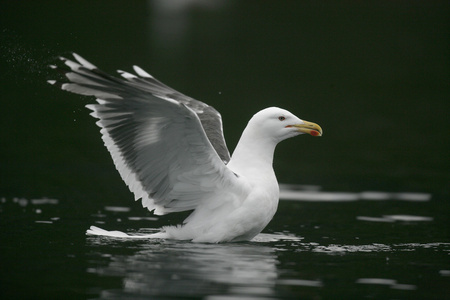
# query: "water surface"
{"points": [[313, 248]]}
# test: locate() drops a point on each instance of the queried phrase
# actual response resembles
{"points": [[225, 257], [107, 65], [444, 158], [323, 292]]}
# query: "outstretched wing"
{"points": [[158, 138]]}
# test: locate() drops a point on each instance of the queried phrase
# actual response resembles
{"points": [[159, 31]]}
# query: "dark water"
{"points": [[364, 210], [320, 245]]}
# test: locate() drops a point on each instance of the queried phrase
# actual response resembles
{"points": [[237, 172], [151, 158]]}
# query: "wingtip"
{"points": [[141, 72], [126, 74], [83, 61]]}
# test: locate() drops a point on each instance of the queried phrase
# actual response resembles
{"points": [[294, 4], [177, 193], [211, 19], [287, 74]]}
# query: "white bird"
{"points": [[170, 151]]}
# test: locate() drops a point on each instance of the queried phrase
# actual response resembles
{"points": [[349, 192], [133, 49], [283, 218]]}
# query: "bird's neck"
{"points": [[253, 153]]}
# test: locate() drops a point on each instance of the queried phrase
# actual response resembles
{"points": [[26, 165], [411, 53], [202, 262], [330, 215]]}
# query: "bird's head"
{"points": [[280, 124]]}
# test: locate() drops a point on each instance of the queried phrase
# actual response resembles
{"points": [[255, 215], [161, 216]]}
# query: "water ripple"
{"points": [[313, 194]]}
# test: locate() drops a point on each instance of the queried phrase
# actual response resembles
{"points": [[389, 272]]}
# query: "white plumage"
{"points": [[170, 151]]}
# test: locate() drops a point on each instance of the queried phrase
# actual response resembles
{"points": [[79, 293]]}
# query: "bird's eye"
{"points": [[281, 118]]}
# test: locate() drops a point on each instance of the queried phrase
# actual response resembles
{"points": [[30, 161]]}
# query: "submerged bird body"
{"points": [[170, 151]]}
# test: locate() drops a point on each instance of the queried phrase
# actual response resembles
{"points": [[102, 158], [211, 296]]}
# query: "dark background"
{"points": [[373, 74]]}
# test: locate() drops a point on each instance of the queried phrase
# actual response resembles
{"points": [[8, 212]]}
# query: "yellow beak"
{"points": [[309, 128]]}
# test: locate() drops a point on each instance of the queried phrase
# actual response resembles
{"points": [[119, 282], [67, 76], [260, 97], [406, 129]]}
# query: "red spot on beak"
{"points": [[314, 133]]}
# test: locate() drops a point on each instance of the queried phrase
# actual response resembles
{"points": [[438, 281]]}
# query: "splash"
{"points": [[24, 61]]}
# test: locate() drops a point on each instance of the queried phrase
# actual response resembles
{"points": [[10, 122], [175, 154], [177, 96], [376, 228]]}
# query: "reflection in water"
{"points": [[270, 266], [39, 201], [389, 282], [174, 268], [117, 208], [375, 247], [393, 218], [313, 193], [343, 249], [177, 268]]}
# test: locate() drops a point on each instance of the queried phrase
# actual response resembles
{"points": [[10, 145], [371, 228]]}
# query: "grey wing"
{"points": [[155, 136], [210, 118]]}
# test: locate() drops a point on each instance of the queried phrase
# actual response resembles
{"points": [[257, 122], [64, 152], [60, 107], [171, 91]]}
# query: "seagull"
{"points": [[170, 151]]}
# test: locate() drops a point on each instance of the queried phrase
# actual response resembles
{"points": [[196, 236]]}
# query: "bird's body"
{"points": [[170, 151]]}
